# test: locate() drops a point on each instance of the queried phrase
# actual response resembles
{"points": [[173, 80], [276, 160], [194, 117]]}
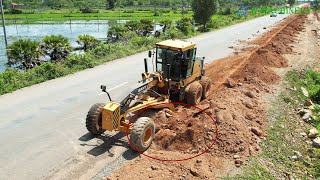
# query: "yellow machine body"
{"points": [[114, 120]]}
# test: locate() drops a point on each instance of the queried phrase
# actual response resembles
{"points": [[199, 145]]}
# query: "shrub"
{"points": [[226, 11], [128, 11], [49, 71], [80, 62], [116, 33], [141, 41], [173, 34], [87, 42], [14, 11], [24, 53], [165, 11], [56, 47], [185, 25], [312, 81], [166, 24], [146, 26], [88, 10], [9, 80], [133, 26]]}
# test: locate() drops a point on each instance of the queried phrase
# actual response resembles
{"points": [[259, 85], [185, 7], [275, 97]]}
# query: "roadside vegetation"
{"points": [[289, 150]]}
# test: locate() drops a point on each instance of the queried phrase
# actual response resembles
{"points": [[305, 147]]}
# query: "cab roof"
{"points": [[176, 45]]}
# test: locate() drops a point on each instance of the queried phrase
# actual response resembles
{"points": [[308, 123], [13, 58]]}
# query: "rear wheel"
{"points": [[194, 93], [142, 133], [94, 119], [206, 87]]}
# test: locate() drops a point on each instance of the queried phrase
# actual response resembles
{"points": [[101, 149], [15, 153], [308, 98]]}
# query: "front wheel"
{"points": [[142, 134], [194, 93], [94, 119], [206, 87]]}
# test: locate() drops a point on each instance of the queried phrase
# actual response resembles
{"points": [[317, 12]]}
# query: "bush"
{"points": [[312, 81], [88, 10], [141, 41], [87, 42], [165, 11], [226, 11], [14, 11], [9, 80], [116, 33], [24, 53], [79, 62], [49, 71], [56, 47], [173, 34], [128, 11], [185, 25]]}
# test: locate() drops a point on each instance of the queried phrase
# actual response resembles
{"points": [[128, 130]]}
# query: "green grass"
{"points": [[66, 15]]}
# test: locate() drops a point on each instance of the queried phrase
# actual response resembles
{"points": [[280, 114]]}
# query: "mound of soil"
{"points": [[187, 130]]}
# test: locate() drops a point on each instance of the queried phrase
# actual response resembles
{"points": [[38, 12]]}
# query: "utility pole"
{"points": [[3, 24], [182, 8]]}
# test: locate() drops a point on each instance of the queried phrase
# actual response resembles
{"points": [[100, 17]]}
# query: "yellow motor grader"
{"points": [[178, 76]]}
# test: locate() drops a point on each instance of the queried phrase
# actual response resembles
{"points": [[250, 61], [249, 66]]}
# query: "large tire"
{"points": [[194, 93], [206, 87], [94, 119], [142, 134]]}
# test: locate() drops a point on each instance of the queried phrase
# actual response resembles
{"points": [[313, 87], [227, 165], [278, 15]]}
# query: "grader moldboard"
{"points": [[179, 76]]}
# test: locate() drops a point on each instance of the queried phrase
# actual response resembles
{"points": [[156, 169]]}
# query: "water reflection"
{"points": [[69, 29]]}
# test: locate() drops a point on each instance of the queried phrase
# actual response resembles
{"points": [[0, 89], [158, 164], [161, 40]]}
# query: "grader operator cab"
{"points": [[178, 76]]}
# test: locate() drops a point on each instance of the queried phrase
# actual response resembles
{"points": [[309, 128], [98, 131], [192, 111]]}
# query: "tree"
{"points": [[203, 11], [166, 24], [24, 53], [116, 33], [133, 26], [56, 47], [316, 5], [87, 42], [185, 25], [146, 26], [291, 2], [110, 4]]}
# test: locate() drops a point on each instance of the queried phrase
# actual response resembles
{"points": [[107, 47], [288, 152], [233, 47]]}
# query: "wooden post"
{"points": [[4, 24]]}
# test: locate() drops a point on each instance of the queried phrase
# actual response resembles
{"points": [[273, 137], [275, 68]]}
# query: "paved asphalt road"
{"points": [[41, 125]]}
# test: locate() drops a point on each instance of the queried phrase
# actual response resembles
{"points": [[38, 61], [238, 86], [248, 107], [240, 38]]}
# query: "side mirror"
{"points": [[146, 65], [150, 54], [104, 89]]}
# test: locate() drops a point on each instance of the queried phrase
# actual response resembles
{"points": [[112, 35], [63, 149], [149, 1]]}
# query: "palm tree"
{"points": [[56, 47], [116, 33], [87, 42], [166, 24], [24, 53]]}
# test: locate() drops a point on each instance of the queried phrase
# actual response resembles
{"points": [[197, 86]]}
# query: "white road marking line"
{"points": [[113, 88]]}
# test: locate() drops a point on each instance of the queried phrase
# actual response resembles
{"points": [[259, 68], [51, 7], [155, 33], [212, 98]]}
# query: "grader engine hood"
{"points": [[111, 116]]}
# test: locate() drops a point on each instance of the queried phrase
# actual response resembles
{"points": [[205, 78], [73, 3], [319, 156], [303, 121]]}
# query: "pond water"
{"points": [[71, 30]]}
